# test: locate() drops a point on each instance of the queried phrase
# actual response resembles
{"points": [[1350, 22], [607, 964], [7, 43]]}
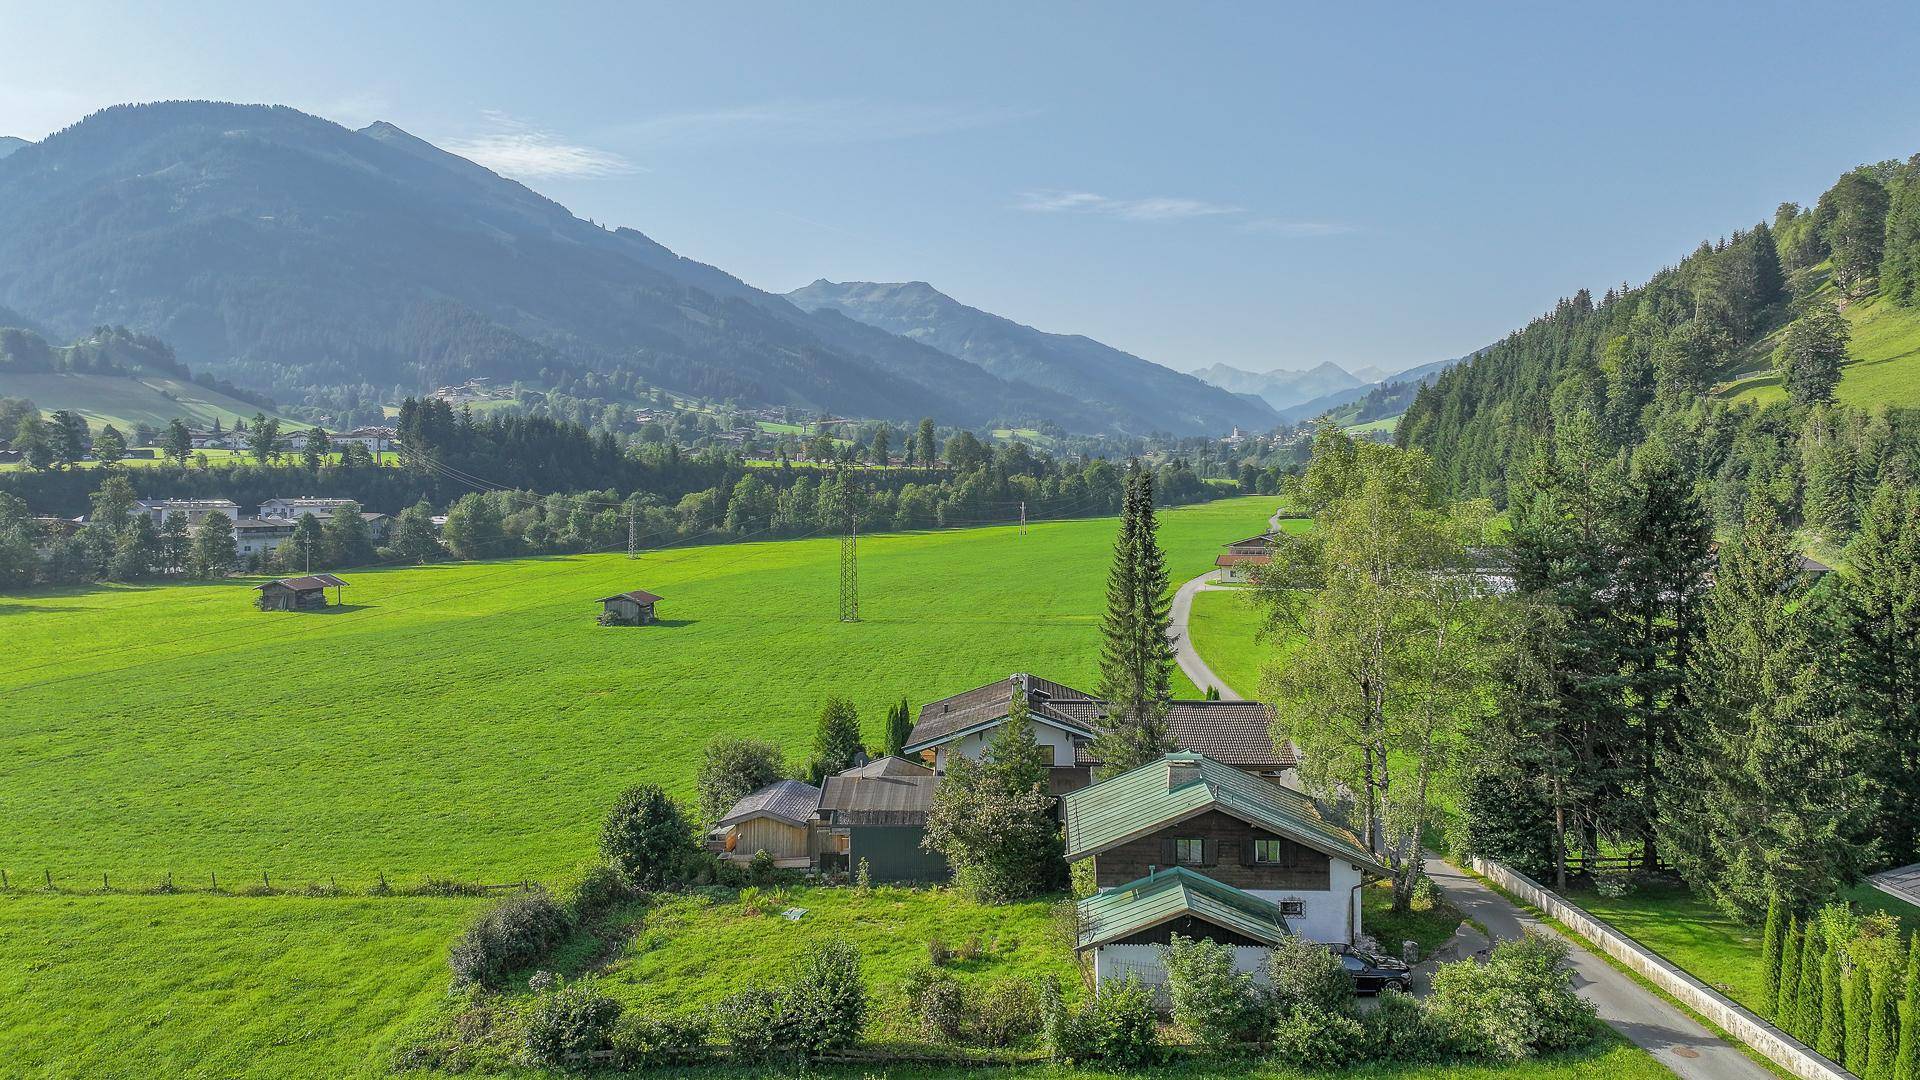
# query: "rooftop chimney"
{"points": [[1181, 773]]}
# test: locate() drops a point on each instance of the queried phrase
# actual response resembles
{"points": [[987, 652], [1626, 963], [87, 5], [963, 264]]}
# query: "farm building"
{"points": [[776, 819], [193, 510], [1241, 556], [1187, 844], [631, 608], [877, 811], [300, 593], [257, 536], [293, 509]]}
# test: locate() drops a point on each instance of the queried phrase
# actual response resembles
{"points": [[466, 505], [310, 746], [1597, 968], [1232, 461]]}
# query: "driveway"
{"points": [[1675, 1039], [1178, 615]]}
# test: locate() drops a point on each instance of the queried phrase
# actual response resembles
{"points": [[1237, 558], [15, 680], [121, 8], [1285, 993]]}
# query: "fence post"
{"points": [[49, 874]]}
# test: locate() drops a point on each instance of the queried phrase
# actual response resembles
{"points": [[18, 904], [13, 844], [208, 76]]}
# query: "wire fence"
{"points": [[249, 885]]}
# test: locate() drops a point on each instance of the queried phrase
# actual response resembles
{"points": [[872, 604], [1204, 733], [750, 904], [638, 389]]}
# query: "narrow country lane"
{"points": [[1178, 616]]}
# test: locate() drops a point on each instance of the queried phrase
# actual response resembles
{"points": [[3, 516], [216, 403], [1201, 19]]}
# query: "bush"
{"points": [[749, 1022], [1398, 1030], [650, 1042], [1004, 1013], [940, 1002], [1306, 975], [647, 838], [1313, 1038], [1216, 1003], [510, 935], [570, 1023], [826, 1003], [1518, 1004], [1118, 1027], [937, 951], [732, 768], [590, 891]]}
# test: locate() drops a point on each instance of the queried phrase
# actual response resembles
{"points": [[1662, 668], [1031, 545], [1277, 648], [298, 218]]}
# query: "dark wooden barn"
{"points": [[632, 608], [300, 593]]}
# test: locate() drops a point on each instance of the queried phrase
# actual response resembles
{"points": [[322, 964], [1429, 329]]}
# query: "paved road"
{"points": [[1178, 616], [1675, 1039]]}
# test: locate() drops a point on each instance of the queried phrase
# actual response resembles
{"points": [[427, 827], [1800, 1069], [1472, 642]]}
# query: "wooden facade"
{"points": [[777, 838], [632, 608], [1227, 854]]}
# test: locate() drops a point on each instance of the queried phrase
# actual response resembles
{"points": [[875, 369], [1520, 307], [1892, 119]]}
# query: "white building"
{"points": [[291, 509]]}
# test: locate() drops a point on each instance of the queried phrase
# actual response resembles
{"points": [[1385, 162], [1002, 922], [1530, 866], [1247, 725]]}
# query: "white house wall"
{"points": [[1147, 962], [1332, 915], [974, 745]]}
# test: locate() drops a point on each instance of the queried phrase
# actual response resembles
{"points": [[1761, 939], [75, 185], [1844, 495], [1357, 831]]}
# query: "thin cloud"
{"points": [[1296, 228], [515, 148], [1158, 208], [822, 121]]}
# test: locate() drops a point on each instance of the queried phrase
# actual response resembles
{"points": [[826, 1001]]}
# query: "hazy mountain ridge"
{"points": [[1135, 393], [1281, 389], [268, 245]]}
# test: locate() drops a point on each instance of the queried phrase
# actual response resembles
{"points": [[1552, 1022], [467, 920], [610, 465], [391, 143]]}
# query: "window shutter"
{"points": [[1209, 852], [1167, 856], [1247, 857]]}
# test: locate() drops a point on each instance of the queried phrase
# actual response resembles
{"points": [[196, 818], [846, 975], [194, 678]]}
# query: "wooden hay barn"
{"points": [[300, 593], [632, 608]]}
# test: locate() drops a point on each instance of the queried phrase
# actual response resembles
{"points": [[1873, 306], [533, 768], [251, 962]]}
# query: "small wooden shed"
{"points": [[632, 608], [299, 593]]}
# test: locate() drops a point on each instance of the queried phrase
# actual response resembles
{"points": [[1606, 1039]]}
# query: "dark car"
{"points": [[1373, 973]]}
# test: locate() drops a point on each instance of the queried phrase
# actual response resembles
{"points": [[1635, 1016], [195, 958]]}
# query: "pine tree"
{"points": [[1770, 946], [1136, 655], [1811, 352], [835, 741], [1832, 1040], [1859, 1009], [1786, 1002], [1900, 262], [1906, 1062], [1879, 628]]}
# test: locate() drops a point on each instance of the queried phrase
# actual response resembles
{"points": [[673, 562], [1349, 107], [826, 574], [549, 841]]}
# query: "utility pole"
{"points": [[850, 572], [633, 537], [1023, 517]]}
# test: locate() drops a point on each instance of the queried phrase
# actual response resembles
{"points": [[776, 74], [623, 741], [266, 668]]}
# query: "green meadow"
{"points": [[1885, 364], [1224, 628]]}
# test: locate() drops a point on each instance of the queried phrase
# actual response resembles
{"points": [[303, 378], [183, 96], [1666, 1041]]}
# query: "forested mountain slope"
{"points": [[1137, 394], [1821, 299], [285, 252]]}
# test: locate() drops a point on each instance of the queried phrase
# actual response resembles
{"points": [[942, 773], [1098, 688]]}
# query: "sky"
{"points": [[1268, 186]]}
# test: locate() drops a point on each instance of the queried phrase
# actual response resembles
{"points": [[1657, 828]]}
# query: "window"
{"points": [[1268, 852], [1293, 909], [1190, 852]]}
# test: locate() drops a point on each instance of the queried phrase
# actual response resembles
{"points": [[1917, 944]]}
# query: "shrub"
{"points": [[1306, 975], [939, 1001], [647, 838], [863, 878], [1004, 1013], [761, 869], [1118, 1027], [748, 1022], [569, 1023], [650, 1042], [731, 768], [1210, 999], [1520, 1003], [590, 891], [937, 952], [1308, 1037], [969, 949], [826, 1003], [1398, 1030], [510, 935]]}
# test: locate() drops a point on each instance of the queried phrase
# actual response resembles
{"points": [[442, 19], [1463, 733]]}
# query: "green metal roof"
{"points": [[1142, 800], [1169, 894]]}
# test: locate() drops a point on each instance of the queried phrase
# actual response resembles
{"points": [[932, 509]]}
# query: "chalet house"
{"points": [[193, 510], [1193, 846], [776, 819], [377, 440], [300, 593], [1241, 556], [631, 608], [257, 536], [292, 509], [379, 526], [1065, 721], [877, 812]]}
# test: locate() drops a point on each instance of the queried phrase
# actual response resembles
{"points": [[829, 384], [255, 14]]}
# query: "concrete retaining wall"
{"points": [[1783, 1049]]}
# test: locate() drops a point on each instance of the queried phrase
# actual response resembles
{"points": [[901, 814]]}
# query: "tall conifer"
{"points": [[1770, 954], [1859, 1006], [1786, 1002], [1833, 1007], [1136, 656]]}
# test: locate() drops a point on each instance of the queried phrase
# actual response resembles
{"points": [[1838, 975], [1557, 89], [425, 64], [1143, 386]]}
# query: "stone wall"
{"points": [[1783, 1049]]}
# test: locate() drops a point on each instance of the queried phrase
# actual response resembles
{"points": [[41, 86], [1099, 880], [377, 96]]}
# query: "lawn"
{"points": [[1223, 628], [472, 720], [1885, 369], [127, 401], [216, 985]]}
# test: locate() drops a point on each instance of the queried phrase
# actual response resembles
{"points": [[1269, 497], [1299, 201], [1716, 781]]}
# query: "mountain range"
{"points": [[1137, 394], [1303, 395], [285, 252]]}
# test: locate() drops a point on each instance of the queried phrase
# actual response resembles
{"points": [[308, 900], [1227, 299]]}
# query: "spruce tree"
{"points": [[1832, 1040], [1770, 955], [1136, 655], [1786, 1002], [1879, 617]]}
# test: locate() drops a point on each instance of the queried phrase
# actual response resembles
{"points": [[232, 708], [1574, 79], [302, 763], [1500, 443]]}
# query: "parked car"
{"points": [[1373, 973]]}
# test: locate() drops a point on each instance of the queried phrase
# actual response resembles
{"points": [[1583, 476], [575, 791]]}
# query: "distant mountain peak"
{"points": [[10, 143]]}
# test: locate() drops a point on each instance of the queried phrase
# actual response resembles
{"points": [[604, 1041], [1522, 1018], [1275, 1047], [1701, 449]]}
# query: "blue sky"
{"points": [[1265, 185]]}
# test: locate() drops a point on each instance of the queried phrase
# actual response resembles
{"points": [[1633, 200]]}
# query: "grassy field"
{"points": [[214, 457], [127, 401], [1885, 369], [1385, 424], [472, 720], [1222, 629]]}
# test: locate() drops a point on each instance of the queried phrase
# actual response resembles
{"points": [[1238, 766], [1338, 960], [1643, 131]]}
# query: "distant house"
{"points": [[631, 608], [258, 536], [292, 509], [193, 510], [300, 593], [379, 526], [377, 440], [1065, 722], [1189, 845], [776, 819], [1241, 556], [876, 812]]}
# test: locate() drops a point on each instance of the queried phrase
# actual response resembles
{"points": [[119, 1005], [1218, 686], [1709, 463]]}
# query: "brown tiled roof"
{"points": [[1237, 733], [638, 596], [302, 584], [1231, 559], [983, 704], [1263, 538]]}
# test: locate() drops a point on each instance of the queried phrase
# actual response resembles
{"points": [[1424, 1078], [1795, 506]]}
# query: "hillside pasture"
{"points": [[127, 401], [1884, 369]]}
